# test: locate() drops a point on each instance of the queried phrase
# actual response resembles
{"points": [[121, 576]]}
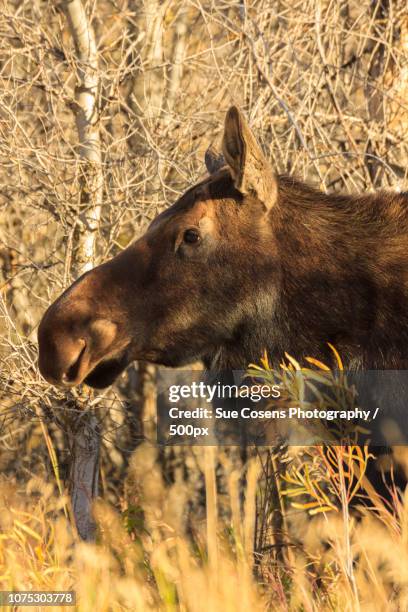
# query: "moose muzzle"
{"points": [[76, 336]]}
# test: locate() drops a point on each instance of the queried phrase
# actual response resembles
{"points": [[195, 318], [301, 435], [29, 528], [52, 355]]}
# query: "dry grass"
{"points": [[144, 558]]}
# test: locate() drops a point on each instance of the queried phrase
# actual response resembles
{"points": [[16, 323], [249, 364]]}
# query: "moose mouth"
{"points": [[106, 372]]}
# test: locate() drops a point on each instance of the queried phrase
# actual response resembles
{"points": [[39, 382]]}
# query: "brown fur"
{"points": [[280, 266]]}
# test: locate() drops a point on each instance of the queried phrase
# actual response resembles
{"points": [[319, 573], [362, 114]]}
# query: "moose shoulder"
{"points": [[244, 261]]}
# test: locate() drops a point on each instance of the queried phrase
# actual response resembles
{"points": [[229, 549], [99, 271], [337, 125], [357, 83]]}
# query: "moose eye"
{"points": [[191, 236]]}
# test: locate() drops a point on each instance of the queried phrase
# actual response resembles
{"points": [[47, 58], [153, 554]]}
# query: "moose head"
{"points": [[201, 283]]}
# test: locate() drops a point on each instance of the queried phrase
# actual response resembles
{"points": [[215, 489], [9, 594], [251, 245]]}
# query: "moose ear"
{"points": [[249, 168], [214, 161]]}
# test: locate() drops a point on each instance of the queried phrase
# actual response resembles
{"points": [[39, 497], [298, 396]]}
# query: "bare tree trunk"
{"points": [[84, 471], [374, 92], [154, 82], [179, 51], [86, 116], [83, 431]]}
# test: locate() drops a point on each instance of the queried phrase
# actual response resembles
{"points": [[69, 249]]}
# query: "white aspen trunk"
{"points": [[87, 122], [84, 430]]}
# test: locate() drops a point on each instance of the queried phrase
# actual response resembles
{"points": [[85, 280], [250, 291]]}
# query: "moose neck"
{"points": [[325, 290]]}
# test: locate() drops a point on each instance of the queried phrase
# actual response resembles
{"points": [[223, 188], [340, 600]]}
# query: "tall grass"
{"points": [[153, 555]]}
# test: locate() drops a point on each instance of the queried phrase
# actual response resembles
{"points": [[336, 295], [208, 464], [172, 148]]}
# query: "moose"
{"points": [[245, 261]]}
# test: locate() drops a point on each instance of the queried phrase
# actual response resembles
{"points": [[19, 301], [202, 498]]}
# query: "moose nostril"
{"points": [[72, 373]]}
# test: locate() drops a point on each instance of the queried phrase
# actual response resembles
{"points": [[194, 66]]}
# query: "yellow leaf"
{"points": [[28, 530], [293, 362], [336, 354], [265, 361], [317, 363], [322, 509], [306, 506], [39, 552]]}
